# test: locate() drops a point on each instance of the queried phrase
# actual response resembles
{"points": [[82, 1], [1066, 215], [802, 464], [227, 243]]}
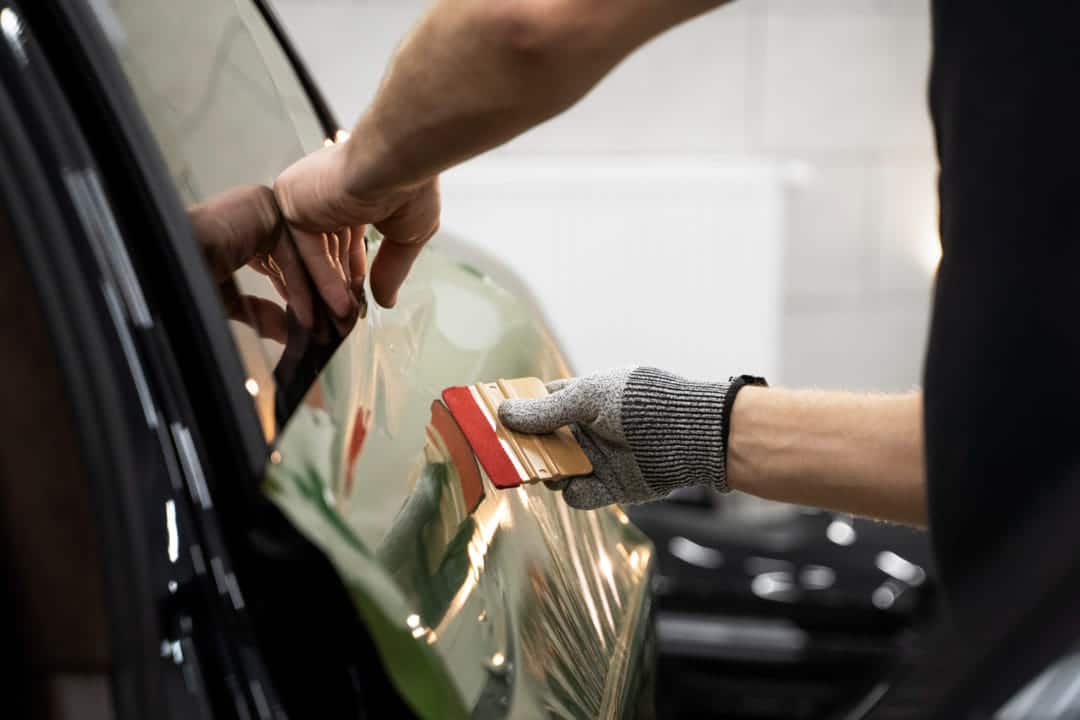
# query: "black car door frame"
{"points": [[203, 380], [95, 319]]}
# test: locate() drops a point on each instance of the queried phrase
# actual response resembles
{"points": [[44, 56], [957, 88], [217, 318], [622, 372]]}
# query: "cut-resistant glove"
{"points": [[647, 432]]}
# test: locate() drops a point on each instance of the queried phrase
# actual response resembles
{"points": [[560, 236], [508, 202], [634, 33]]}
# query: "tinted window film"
{"points": [[229, 114]]}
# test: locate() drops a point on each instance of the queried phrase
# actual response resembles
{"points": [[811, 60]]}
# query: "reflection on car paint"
{"points": [[449, 445], [482, 602]]}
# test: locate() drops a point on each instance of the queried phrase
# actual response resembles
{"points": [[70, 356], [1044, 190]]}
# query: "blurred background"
{"points": [[752, 192]]}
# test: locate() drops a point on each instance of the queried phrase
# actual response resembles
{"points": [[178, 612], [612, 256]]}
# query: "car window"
{"points": [[228, 113], [471, 595]]}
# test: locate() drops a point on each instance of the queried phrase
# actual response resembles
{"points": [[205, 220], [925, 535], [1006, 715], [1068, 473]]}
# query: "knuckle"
{"points": [[282, 194]]}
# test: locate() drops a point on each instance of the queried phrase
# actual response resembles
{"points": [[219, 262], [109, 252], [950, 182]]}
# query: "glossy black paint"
{"points": [[738, 640], [203, 648]]}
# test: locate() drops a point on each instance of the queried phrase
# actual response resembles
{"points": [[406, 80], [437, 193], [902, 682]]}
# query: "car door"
{"points": [[363, 554], [102, 542]]}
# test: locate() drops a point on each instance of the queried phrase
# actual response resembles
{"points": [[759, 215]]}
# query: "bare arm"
{"points": [[471, 75], [475, 73], [861, 454], [648, 432]]}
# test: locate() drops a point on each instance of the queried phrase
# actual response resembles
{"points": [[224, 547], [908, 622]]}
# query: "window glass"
{"points": [[229, 114]]}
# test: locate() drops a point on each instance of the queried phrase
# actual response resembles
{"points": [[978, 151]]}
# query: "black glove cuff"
{"points": [[737, 383]]}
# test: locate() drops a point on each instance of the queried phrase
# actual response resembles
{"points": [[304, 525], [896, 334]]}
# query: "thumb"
{"points": [[547, 414], [405, 232], [588, 493], [561, 384]]}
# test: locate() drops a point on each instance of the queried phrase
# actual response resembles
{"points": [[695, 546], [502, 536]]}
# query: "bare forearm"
{"points": [[861, 454], [474, 74]]}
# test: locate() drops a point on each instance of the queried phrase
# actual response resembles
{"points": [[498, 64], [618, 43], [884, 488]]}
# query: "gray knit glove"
{"points": [[646, 432]]}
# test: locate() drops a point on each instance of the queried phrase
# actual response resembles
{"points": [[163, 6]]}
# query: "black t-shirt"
{"points": [[1002, 378]]}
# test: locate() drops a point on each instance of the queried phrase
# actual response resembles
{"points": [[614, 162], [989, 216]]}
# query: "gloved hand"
{"points": [[646, 432]]}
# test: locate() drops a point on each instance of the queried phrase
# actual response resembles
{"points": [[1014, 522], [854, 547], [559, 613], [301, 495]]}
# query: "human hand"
{"points": [[242, 226], [330, 190], [646, 432]]}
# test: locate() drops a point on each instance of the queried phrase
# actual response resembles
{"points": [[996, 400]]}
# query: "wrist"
{"points": [[732, 390], [741, 423], [369, 167]]}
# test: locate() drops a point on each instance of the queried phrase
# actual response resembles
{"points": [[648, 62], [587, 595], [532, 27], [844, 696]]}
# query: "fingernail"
{"points": [[360, 296]]}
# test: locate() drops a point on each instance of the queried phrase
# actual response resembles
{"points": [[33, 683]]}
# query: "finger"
{"points": [[232, 227], [260, 265], [276, 275], [272, 272], [339, 251], [315, 251], [296, 284], [266, 318], [404, 234], [587, 493], [358, 260], [561, 384], [389, 269], [345, 242], [333, 247], [358, 269], [547, 414]]}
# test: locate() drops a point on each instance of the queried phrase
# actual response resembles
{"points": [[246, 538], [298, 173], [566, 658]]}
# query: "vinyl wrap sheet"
{"points": [[522, 608]]}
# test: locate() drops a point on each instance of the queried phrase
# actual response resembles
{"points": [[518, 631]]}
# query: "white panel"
{"points": [[347, 45], [840, 84], [855, 7], [829, 248], [877, 345], [845, 80], [906, 226], [684, 91], [665, 262]]}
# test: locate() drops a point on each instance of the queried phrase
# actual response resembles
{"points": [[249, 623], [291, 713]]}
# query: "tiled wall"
{"points": [[838, 86]]}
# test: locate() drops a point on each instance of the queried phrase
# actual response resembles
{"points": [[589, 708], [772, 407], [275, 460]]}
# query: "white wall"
{"points": [[835, 86], [633, 260]]}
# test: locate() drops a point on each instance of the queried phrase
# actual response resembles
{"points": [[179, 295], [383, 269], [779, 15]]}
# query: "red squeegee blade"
{"points": [[481, 436]]}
